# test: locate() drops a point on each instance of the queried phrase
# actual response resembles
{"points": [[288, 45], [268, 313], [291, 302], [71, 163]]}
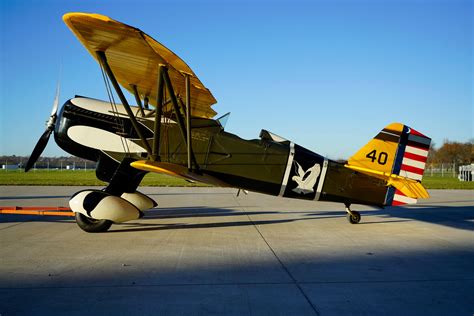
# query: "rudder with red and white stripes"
{"points": [[410, 162], [415, 155]]}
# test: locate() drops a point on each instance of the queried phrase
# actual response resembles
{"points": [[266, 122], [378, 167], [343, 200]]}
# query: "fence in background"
{"points": [[12, 165], [442, 170]]}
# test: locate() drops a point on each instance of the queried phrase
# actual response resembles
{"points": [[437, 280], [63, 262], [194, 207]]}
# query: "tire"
{"points": [[354, 218], [91, 225]]}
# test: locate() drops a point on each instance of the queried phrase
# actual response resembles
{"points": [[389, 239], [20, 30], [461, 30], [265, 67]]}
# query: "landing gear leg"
{"points": [[352, 216]]}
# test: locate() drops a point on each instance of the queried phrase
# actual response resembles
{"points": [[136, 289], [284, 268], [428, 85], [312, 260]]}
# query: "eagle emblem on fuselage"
{"points": [[306, 179]]}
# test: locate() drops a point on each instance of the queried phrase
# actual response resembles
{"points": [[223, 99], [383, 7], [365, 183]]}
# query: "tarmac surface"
{"points": [[205, 251]]}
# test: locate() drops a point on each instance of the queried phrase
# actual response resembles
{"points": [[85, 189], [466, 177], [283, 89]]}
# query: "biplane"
{"points": [[173, 130]]}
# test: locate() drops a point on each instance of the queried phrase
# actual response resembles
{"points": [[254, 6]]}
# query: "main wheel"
{"points": [[353, 218], [91, 225]]}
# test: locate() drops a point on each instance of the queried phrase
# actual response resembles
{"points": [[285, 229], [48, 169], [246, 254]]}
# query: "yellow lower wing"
{"points": [[409, 187], [160, 167], [175, 170]]}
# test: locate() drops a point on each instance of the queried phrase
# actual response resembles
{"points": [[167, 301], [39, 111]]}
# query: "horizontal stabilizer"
{"points": [[408, 187]]}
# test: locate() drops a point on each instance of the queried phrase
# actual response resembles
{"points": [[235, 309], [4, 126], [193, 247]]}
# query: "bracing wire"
{"points": [[115, 112]]}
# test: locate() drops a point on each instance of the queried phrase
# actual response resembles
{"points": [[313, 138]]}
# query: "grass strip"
{"points": [[87, 178], [81, 178]]}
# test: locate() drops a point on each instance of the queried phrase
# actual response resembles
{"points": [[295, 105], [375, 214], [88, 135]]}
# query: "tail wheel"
{"points": [[91, 225], [353, 217]]}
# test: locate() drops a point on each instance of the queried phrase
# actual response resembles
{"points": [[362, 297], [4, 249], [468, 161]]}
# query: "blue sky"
{"points": [[326, 74]]}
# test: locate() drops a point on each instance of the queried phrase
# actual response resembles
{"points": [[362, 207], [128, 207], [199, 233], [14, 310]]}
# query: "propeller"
{"points": [[43, 141]]}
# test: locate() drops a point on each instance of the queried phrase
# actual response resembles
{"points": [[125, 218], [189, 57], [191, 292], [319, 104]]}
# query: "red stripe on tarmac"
{"points": [[35, 208]]}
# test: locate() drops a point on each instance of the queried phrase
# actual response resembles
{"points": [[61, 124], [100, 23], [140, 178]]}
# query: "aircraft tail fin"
{"points": [[397, 154]]}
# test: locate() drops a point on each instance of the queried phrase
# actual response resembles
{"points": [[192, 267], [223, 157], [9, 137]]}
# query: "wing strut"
{"points": [[188, 120], [137, 98], [136, 126], [145, 103], [185, 132], [158, 114], [164, 81]]}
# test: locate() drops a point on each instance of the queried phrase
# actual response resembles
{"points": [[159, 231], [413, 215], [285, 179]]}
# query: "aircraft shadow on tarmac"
{"points": [[459, 217], [193, 212]]}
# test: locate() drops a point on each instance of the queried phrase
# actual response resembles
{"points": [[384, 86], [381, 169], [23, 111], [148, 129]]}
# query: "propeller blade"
{"points": [[40, 146], [43, 141], [56, 100]]}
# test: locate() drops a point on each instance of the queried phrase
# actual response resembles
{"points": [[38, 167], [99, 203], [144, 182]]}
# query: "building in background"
{"points": [[466, 172], [10, 167]]}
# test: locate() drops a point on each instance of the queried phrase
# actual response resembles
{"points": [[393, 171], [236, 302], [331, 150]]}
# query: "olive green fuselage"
{"points": [[260, 165]]}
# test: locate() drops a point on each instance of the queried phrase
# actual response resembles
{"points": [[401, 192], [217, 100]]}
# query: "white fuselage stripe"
{"points": [[100, 139], [321, 179], [291, 155]]}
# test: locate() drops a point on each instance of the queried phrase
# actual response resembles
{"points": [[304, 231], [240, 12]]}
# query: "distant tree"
{"points": [[431, 153], [454, 152]]}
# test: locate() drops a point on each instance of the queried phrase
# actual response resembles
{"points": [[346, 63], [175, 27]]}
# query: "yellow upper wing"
{"points": [[134, 58]]}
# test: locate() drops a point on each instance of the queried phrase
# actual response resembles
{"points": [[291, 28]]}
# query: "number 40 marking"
{"points": [[381, 158]]}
